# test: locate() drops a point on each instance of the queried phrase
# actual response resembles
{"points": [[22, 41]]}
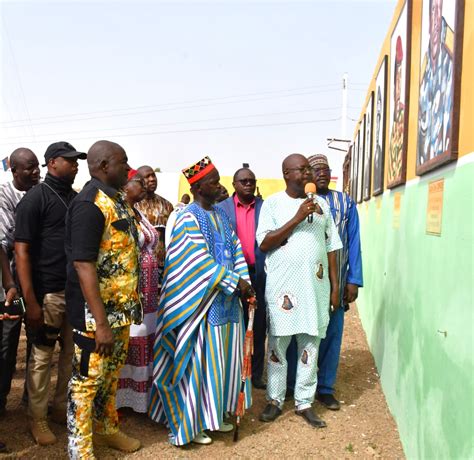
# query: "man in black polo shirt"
{"points": [[41, 268]]}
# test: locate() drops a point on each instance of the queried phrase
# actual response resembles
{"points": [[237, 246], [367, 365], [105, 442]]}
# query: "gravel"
{"points": [[363, 428]]}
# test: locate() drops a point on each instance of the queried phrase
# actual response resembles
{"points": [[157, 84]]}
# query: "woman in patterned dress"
{"points": [[136, 376]]}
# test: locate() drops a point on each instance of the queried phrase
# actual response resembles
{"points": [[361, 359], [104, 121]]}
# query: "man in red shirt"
{"points": [[243, 209]]}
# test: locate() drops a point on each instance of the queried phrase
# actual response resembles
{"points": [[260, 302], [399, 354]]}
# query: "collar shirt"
{"points": [[101, 228], [245, 220], [156, 210], [9, 199], [40, 222]]}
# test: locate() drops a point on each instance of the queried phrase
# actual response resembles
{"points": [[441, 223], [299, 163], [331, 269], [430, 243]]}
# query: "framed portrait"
{"points": [[355, 152], [360, 161], [400, 46], [380, 117], [346, 171], [440, 83], [368, 126]]}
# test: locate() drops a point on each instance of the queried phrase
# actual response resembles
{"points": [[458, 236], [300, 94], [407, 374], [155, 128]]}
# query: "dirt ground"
{"points": [[363, 428]]}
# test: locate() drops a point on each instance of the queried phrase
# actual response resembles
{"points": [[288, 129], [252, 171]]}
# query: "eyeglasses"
{"points": [[301, 169], [247, 181], [320, 171]]}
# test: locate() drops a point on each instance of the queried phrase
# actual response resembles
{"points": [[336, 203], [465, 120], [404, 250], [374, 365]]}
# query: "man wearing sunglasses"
{"points": [[301, 285], [349, 268], [243, 210]]}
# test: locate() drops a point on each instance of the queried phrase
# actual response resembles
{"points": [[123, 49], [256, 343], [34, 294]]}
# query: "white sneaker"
{"points": [[202, 438], [226, 427]]}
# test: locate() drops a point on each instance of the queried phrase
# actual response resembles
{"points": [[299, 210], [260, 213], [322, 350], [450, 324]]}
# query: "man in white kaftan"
{"points": [[300, 284]]}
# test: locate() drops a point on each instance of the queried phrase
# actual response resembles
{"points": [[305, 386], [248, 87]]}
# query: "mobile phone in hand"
{"points": [[16, 308]]}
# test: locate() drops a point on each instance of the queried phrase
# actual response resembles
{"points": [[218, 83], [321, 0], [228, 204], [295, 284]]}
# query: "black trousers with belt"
{"points": [[259, 325]]}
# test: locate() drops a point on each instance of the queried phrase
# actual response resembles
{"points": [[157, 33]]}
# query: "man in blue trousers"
{"points": [[349, 262], [243, 210]]}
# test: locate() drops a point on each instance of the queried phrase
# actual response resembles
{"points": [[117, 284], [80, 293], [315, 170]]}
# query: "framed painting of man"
{"points": [[400, 46], [380, 118], [440, 83], [355, 152], [368, 145], [360, 161]]}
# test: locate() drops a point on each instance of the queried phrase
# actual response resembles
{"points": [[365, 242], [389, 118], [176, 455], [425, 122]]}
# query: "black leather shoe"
{"points": [[270, 413], [258, 384], [328, 401], [311, 418]]}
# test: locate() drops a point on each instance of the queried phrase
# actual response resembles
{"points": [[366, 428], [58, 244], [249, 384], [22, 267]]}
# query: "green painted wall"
{"points": [[415, 286]]}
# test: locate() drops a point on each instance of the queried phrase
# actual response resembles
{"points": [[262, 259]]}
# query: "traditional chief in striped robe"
{"points": [[200, 330]]}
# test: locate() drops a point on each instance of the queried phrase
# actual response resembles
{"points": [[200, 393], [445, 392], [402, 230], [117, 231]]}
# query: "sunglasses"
{"points": [[247, 181]]}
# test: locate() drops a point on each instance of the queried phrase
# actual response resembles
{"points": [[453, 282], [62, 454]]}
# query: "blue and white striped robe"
{"points": [[197, 366]]}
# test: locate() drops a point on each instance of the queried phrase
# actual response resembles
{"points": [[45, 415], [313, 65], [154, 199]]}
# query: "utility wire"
{"points": [[209, 129], [176, 122], [112, 113], [22, 92]]}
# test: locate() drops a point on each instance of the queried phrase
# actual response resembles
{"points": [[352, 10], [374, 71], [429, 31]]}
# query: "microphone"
{"points": [[310, 190]]}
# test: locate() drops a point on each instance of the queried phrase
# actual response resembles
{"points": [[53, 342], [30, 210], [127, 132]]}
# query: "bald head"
{"points": [[21, 155], [25, 168], [108, 162], [149, 176], [101, 151], [291, 160], [297, 173]]}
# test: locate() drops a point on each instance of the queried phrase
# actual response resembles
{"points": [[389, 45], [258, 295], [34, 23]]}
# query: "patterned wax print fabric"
{"points": [[92, 390], [117, 265], [157, 210], [135, 379], [200, 329], [298, 288]]}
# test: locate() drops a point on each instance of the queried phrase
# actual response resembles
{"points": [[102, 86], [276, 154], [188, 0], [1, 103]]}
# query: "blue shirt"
{"points": [[346, 218]]}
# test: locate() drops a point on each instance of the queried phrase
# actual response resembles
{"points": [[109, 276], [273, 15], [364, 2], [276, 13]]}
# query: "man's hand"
{"points": [[335, 301], [11, 294], [351, 291], [104, 340], [306, 208], [34, 315], [246, 290]]}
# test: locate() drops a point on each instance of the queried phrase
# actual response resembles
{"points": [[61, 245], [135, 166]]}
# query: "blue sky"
{"points": [[240, 81]]}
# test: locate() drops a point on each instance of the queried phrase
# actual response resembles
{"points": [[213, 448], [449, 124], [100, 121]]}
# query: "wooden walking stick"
{"points": [[246, 365]]}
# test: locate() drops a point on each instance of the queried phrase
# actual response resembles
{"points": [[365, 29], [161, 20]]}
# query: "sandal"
{"points": [[226, 427], [202, 439]]}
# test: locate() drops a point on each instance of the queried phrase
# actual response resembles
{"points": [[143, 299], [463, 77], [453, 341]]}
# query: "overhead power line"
{"points": [[165, 106], [220, 128], [63, 133]]}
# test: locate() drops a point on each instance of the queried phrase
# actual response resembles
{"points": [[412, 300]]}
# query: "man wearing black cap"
{"points": [[41, 268]]}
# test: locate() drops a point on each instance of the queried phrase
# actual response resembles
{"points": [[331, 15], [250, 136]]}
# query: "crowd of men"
{"points": [[73, 259]]}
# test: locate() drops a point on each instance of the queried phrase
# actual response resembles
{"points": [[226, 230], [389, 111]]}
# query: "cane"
{"points": [[246, 365]]}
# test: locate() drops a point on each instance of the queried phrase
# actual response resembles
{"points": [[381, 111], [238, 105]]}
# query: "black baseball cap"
{"points": [[62, 149]]}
